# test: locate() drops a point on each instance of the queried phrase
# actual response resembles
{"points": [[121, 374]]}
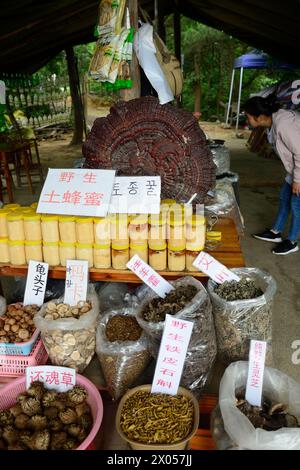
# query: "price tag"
{"points": [[56, 378], [36, 283], [136, 195], [76, 281], [215, 270], [171, 357], [77, 192], [150, 277], [256, 369]]}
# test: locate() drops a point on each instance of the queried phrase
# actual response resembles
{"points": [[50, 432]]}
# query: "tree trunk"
{"points": [[76, 98], [197, 88]]}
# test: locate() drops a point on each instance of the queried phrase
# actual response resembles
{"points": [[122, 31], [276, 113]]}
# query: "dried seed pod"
{"points": [[55, 425], [41, 440], [77, 395], [57, 440], [21, 421], [68, 416], [37, 422], [6, 418], [49, 397], [36, 389], [31, 406], [51, 412], [10, 434], [82, 409], [73, 430], [16, 410]]}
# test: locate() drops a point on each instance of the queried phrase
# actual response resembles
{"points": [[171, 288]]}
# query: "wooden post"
{"points": [[135, 91], [75, 95]]}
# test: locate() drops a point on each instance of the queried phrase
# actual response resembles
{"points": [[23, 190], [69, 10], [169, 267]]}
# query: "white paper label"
{"points": [[2, 92], [136, 195], [77, 192], [150, 277], [171, 357], [56, 378], [36, 283], [256, 369], [215, 270], [76, 281]]}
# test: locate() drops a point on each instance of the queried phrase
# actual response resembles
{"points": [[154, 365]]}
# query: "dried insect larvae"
{"points": [[17, 325], [157, 418]]}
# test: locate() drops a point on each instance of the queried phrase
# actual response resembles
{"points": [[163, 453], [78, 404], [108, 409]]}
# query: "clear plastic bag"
{"points": [[122, 362], [3, 305], [224, 205], [277, 387], [202, 347], [70, 342], [240, 321], [221, 158]]}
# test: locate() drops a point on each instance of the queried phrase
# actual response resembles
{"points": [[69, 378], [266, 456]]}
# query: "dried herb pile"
{"points": [[46, 420], [238, 290], [123, 328], [158, 308], [157, 418]]}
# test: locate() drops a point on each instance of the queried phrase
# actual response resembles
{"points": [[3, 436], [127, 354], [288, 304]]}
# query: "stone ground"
{"points": [[259, 183]]}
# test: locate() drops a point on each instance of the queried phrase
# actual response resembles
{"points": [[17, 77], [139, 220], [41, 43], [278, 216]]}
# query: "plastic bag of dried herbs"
{"points": [[69, 333], [188, 301], [122, 349], [239, 321], [232, 429]]}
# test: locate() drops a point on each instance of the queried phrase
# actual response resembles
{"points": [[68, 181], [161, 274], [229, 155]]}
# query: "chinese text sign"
{"points": [[149, 276], [256, 369], [215, 270], [76, 281], [36, 283], [56, 378], [171, 357], [136, 195]]}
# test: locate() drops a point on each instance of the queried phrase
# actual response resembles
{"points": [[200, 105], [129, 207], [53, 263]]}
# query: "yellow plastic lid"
{"points": [[15, 215], [84, 220], [16, 242], [101, 220], [158, 219], [33, 242], [24, 209], [157, 245], [138, 219], [213, 235], [84, 245], [34, 205], [32, 216], [196, 220], [101, 246], [11, 207], [194, 247], [67, 244], [176, 247], [4, 212], [138, 246], [120, 245], [3, 239], [50, 244], [49, 217], [66, 218], [168, 202], [119, 219]]}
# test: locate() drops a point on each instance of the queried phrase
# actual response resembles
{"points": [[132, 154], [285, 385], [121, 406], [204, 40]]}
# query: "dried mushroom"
{"points": [[16, 325], [238, 290]]}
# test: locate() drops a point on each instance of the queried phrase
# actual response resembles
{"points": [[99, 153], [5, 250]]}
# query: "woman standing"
{"points": [[283, 128]]}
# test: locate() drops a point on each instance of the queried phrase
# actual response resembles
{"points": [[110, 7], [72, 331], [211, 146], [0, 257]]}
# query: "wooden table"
{"points": [[228, 253]]}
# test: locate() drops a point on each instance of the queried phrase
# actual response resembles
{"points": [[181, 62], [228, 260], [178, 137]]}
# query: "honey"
{"points": [[66, 251], [85, 230], [33, 250], [67, 228], [51, 253], [158, 255], [120, 254], [50, 231], [102, 256], [84, 251]]}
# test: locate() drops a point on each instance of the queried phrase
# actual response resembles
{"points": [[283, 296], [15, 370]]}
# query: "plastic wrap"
{"points": [[277, 387], [239, 321], [70, 342], [122, 362], [112, 296], [224, 205], [2, 305], [202, 347], [221, 158]]}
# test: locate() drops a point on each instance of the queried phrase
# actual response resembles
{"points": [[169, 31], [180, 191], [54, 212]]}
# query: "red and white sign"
{"points": [[171, 357], [150, 277], [77, 192], [215, 270], [256, 369], [56, 378], [76, 281]]}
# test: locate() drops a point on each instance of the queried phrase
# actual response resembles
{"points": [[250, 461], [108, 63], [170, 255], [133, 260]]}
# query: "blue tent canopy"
{"points": [[259, 60]]}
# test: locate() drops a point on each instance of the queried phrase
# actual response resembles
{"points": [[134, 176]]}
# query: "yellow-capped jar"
{"points": [[176, 226], [140, 249], [17, 252], [3, 223], [195, 232], [33, 250], [102, 255], [158, 227], [138, 228], [25, 209], [119, 226], [32, 226], [85, 230], [66, 251], [4, 251], [120, 254], [176, 257], [15, 225], [11, 207], [51, 253], [191, 254], [158, 255], [102, 230], [84, 251], [67, 228], [50, 231]]}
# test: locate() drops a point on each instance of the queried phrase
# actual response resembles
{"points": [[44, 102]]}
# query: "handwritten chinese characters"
{"points": [[215, 270], [149, 276], [36, 283], [60, 379], [76, 281], [77, 192], [136, 195], [172, 352], [256, 372]]}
